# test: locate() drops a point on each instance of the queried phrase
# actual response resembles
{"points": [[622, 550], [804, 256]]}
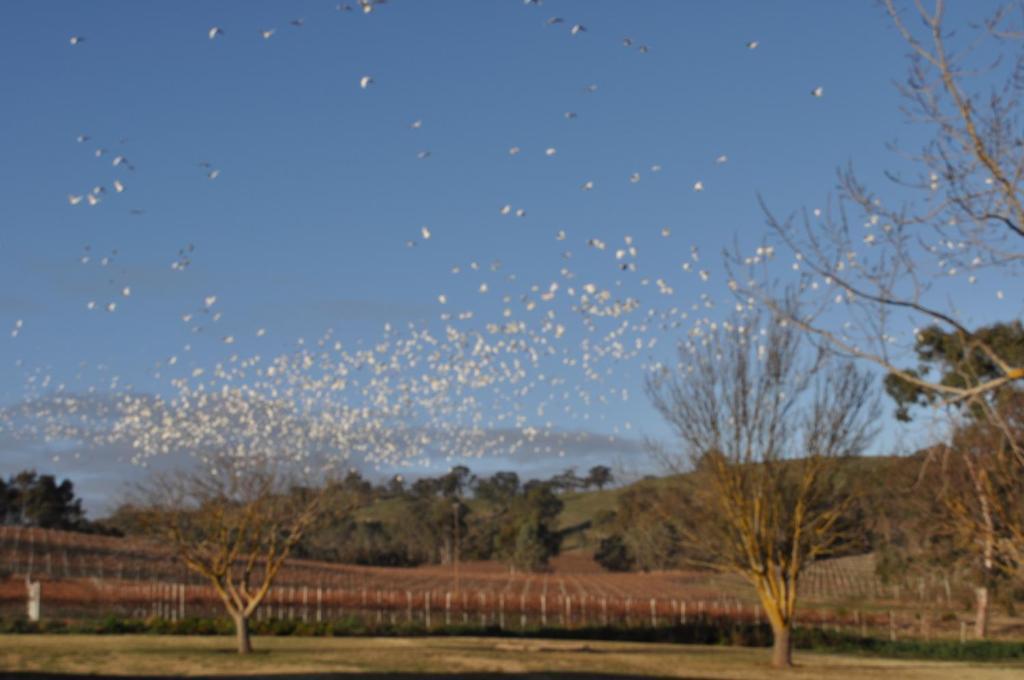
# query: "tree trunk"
{"points": [[981, 612], [242, 633], [782, 646]]}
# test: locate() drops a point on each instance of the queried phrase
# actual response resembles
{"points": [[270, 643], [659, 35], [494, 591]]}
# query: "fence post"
{"points": [[35, 598], [654, 613], [543, 610], [682, 612], [892, 626], [963, 632], [408, 606], [448, 608], [501, 611], [426, 609], [319, 604], [604, 611]]}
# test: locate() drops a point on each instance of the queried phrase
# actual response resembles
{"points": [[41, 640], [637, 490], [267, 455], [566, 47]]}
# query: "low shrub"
{"points": [[697, 632]]}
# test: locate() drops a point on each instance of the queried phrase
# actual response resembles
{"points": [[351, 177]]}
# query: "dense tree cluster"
{"points": [[33, 500]]}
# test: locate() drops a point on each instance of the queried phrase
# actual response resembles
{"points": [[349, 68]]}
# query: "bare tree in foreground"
{"points": [[236, 514], [765, 427], [235, 526], [876, 269]]}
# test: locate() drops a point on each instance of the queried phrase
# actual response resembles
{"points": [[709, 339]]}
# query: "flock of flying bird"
{"points": [[534, 376]]}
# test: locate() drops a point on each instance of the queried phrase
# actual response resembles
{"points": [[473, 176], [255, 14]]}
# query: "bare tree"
{"points": [[233, 525], [983, 495], [982, 473], [873, 271], [765, 426], [236, 514]]}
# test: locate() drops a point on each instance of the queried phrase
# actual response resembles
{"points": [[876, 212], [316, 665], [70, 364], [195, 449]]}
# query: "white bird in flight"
{"points": [[753, 45], [214, 32], [267, 33], [578, 28], [76, 40], [818, 91], [698, 186], [365, 82]]}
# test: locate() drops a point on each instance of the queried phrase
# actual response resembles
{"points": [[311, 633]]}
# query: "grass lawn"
{"points": [[461, 658]]}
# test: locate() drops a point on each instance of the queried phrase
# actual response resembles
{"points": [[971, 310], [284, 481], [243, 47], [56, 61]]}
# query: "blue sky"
{"points": [[320, 186]]}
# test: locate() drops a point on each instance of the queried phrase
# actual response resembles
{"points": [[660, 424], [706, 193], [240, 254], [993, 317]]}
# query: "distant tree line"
{"points": [[432, 519], [29, 499]]}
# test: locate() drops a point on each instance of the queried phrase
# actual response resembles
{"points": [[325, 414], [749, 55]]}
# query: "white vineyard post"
{"points": [[654, 613], [543, 610], [604, 611], [448, 608], [35, 598], [319, 604], [682, 612]]}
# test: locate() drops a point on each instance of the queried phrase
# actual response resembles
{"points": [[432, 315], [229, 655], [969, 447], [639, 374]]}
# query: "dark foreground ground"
{"points": [[109, 656]]}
